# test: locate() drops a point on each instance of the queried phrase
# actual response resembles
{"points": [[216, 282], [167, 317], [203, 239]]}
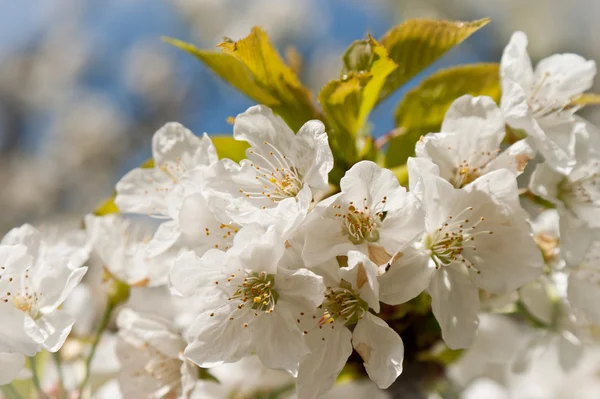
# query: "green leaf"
{"points": [[347, 102], [416, 43], [255, 68], [228, 147], [422, 110]]}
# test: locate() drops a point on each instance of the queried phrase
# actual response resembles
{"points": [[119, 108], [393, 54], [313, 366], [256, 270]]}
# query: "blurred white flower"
{"points": [[36, 276]]}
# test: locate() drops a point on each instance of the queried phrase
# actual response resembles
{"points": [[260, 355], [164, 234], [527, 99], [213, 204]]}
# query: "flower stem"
{"points": [[35, 377], [10, 392], [59, 371], [103, 324]]}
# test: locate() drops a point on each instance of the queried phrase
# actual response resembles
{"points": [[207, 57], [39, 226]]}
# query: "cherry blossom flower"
{"points": [[372, 214], [472, 240], [539, 101], [36, 276], [283, 173], [150, 351], [122, 245], [330, 340], [248, 300], [469, 143]]}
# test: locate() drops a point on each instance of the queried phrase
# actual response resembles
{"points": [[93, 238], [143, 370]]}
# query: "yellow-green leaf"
{"points": [[107, 206], [586, 99], [357, 56], [426, 105], [348, 101], [416, 43], [228, 147], [422, 110], [253, 66]]}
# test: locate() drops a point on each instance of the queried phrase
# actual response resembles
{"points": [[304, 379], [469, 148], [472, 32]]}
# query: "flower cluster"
{"points": [[262, 264]]}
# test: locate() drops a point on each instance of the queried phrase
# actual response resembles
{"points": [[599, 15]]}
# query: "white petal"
{"points": [[144, 191], [319, 370], [420, 170], [584, 293], [564, 75], [515, 63], [485, 388], [140, 330], [278, 342], [324, 241], [441, 149], [312, 148], [570, 351], [514, 158], [367, 180], [403, 221], [257, 125], [455, 303], [13, 337], [405, 278], [165, 236], [175, 143], [56, 282], [51, 330], [381, 348], [300, 287], [258, 248], [11, 365], [501, 185], [479, 124], [506, 259], [362, 274], [26, 235], [536, 298], [214, 340], [544, 182], [197, 276]]}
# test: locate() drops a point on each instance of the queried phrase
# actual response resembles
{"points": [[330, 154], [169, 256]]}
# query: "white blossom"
{"points": [[468, 145], [249, 301], [37, 273], [283, 173], [372, 214], [539, 101], [150, 351], [122, 245], [472, 240], [331, 342], [158, 191]]}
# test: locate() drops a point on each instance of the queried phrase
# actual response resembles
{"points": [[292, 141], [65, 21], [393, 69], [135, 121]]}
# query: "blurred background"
{"points": [[85, 83]]}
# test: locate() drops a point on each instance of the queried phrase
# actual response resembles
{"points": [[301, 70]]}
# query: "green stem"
{"points": [[10, 392], [59, 371], [35, 377], [103, 324]]}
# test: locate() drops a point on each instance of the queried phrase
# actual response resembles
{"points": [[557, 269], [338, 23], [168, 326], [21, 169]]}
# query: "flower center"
{"points": [[342, 304], [448, 242], [361, 224], [258, 290], [23, 298], [279, 178], [469, 170]]}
